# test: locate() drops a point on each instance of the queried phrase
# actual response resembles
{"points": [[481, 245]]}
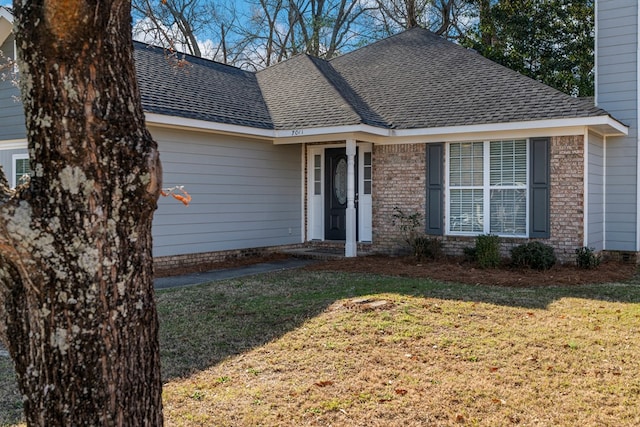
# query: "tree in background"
{"points": [[326, 27], [447, 18], [172, 23], [549, 40], [77, 309], [262, 34]]}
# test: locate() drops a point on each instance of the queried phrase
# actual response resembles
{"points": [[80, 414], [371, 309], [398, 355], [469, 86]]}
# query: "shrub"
{"points": [[534, 255], [469, 254], [424, 247], [487, 251], [408, 224], [421, 246], [586, 258]]}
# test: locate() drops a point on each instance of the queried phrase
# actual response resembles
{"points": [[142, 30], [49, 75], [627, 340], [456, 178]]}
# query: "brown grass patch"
{"points": [[363, 346], [384, 351]]}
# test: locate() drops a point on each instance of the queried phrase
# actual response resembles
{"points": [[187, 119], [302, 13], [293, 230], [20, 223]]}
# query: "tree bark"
{"points": [[75, 243]]}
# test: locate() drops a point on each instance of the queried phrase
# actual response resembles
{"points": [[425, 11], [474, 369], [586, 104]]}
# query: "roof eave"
{"points": [[604, 125], [6, 24], [175, 122]]}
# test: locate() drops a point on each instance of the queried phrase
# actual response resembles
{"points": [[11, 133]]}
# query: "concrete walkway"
{"points": [[230, 273]]}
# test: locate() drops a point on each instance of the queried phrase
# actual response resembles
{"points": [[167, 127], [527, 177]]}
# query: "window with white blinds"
{"points": [[466, 188], [21, 167], [487, 189]]}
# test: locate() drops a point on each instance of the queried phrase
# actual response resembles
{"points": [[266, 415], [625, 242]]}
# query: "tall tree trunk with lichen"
{"points": [[75, 242]]}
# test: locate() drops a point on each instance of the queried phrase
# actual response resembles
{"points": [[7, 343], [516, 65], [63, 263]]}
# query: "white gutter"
{"points": [[163, 120], [595, 53], [617, 128], [637, 127], [319, 134], [13, 144], [585, 190]]}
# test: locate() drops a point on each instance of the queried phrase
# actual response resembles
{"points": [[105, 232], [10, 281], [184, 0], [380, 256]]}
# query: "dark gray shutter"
{"points": [[540, 189], [435, 188]]}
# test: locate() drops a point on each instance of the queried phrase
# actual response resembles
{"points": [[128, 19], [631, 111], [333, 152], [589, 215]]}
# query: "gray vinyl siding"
{"points": [[617, 93], [11, 113], [246, 194], [595, 185]]}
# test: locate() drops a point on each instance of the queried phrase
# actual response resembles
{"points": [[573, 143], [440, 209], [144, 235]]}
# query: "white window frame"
{"points": [[14, 167], [486, 189]]}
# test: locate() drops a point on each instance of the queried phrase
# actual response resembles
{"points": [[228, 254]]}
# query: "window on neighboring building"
{"points": [[21, 168], [487, 189]]}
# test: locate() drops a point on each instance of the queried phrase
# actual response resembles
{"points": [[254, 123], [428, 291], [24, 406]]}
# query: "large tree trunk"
{"points": [[75, 243]]}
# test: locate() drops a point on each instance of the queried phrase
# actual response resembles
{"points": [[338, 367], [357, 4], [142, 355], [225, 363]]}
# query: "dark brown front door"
{"points": [[335, 194]]}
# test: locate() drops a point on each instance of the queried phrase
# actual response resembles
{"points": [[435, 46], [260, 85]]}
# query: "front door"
{"points": [[335, 226]]}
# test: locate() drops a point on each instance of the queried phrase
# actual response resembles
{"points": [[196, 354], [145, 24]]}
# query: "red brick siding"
{"points": [[399, 179], [567, 195]]}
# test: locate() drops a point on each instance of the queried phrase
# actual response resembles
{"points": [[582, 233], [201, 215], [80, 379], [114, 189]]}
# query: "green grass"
{"points": [[319, 348], [10, 398]]}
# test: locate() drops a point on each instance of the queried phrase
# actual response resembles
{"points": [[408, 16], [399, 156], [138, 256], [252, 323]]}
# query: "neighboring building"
{"points": [[311, 152], [617, 90]]}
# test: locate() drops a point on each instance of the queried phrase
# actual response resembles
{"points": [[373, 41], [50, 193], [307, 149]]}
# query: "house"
{"points": [[312, 152]]}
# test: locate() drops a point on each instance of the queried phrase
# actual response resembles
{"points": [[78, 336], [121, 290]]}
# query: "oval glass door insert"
{"points": [[340, 181]]}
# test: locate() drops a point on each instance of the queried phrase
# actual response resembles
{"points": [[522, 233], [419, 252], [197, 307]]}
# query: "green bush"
{"points": [[534, 255], [487, 251], [586, 258], [469, 254]]}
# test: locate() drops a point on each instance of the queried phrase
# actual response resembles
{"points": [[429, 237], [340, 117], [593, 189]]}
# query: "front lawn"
{"points": [[345, 349], [323, 348]]}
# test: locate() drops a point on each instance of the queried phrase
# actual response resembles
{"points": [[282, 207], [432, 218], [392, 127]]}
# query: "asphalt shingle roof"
{"points": [[299, 95], [411, 80], [417, 79], [199, 89]]}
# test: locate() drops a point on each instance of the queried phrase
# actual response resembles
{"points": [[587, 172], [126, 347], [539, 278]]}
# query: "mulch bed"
{"points": [[446, 269], [458, 270]]}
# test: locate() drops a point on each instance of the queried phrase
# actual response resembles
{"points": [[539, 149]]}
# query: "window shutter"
{"points": [[435, 188], [540, 188]]}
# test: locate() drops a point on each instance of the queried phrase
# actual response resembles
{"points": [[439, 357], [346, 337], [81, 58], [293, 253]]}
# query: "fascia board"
{"points": [[13, 144], [161, 120], [614, 127], [4, 13], [6, 24], [604, 125]]}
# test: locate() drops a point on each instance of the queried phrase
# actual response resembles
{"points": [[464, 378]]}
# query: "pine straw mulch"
{"points": [[461, 271], [445, 269]]}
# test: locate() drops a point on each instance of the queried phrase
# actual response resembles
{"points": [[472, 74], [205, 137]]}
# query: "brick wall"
{"points": [[194, 261], [399, 179], [567, 196]]}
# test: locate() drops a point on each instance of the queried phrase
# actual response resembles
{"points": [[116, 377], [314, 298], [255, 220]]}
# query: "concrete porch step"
{"points": [[323, 252]]}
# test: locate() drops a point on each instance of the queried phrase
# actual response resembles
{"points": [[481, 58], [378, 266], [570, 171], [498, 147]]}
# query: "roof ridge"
{"points": [[386, 39], [193, 59], [342, 93], [295, 57]]}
